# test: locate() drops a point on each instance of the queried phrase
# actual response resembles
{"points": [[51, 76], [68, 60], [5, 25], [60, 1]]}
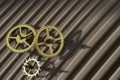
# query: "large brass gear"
{"points": [[21, 38], [49, 41]]}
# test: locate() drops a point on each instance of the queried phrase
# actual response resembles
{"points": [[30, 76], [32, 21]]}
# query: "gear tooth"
{"points": [[29, 58], [34, 57], [40, 64], [25, 61]]}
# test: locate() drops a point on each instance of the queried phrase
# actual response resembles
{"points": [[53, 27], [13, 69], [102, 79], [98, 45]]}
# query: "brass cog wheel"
{"points": [[49, 41], [31, 67], [21, 38]]}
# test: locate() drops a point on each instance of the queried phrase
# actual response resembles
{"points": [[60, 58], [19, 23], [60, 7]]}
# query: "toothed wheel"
{"points": [[21, 38], [49, 41], [31, 67]]}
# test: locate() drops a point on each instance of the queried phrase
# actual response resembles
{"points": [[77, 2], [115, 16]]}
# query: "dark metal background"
{"points": [[92, 38]]}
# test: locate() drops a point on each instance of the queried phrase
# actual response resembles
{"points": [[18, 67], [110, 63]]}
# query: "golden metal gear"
{"points": [[49, 41], [21, 38]]}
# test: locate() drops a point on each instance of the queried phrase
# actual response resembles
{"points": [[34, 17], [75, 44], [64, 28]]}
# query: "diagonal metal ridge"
{"points": [[91, 29]]}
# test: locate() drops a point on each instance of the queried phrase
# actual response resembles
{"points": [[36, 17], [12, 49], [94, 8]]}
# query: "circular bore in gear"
{"points": [[21, 38]]}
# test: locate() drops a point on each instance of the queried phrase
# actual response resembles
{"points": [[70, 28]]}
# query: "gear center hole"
{"points": [[49, 41], [30, 66]]}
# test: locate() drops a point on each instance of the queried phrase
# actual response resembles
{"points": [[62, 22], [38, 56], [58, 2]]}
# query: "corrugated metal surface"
{"points": [[92, 38]]}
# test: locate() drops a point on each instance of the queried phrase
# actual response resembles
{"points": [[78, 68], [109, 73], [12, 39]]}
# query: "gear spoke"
{"points": [[57, 39], [33, 63], [16, 45], [29, 71], [51, 49], [41, 43], [25, 35], [29, 34], [27, 43], [47, 32], [20, 30], [12, 37]]}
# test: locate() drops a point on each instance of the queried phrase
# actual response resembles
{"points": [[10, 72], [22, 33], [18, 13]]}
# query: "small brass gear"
{"points": [[31, 67], [21, 38], [50, 40]]}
